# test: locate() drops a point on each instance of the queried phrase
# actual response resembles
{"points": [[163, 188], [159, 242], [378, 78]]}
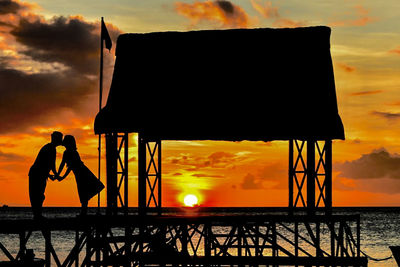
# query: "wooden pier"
{"points": [[300, 107], [203, 240]]}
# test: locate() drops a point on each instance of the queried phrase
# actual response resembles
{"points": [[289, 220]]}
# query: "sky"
{"points": [[49, 80]]}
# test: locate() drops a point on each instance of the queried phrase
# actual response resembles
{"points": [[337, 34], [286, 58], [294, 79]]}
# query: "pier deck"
{"points": [[226, 240]]}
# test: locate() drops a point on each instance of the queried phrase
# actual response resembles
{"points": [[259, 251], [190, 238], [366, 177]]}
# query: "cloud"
{"points": [[70, 41], [395, 50], [215, 160], [205, 175], [396, 103], [375, 185], [220, 159], [250, 182], [386, 115], [10, 157], [344, 184], [29, 99], [362, 18], [288, 23], [266, 10], [271, 176], [345, 67], [222, 12], [7, 145], [8, 6], [13, 7], [270, 12], [366, 92], [53, 68], [378, 164]]}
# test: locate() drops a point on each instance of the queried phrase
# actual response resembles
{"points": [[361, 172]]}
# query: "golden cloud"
{"points": [[345, 67], [221, 12], [270, 12], [362, 19], [395, 51], [366, 92]]}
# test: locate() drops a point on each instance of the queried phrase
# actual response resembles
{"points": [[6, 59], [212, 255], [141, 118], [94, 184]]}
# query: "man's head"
{"points": [[56, 138]]}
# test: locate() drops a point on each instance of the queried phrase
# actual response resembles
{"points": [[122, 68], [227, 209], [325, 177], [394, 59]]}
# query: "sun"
{"points": [[190, 200]]}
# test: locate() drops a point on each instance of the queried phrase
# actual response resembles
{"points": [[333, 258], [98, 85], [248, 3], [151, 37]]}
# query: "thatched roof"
{"points": [[244, 84]]}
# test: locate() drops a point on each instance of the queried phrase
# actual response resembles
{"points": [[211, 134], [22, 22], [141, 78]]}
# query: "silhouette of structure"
{"points": [[234, 85], [253, 84]]}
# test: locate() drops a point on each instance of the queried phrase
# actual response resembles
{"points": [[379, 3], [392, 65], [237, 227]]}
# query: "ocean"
{"points": [[380, 228]]}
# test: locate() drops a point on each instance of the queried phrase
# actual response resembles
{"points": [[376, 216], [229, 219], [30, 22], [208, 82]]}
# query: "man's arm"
{"points": [[60, 178], [53, 165]]}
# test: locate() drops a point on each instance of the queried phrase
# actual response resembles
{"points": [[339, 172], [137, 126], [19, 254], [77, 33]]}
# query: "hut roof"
{"points": [[242, 84]]}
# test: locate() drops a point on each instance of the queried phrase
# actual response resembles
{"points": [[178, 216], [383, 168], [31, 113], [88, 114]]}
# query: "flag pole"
{"points": [[100, 102]]}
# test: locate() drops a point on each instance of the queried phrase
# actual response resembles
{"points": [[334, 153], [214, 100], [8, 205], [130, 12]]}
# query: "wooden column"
{"points": [[311, 176]]}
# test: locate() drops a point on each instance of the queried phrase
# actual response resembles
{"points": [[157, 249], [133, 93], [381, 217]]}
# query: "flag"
{"points": [[105, 36]]}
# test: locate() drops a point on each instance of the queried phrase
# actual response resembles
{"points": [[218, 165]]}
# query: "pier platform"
{"points": [[193, 239]]}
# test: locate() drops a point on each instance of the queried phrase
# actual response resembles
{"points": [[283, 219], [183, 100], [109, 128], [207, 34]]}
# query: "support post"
{"points": [[159, 176], [125, 174], [291, 173], [149, 182], [111, 161], [311, 176], [142, 162], [328, 176]]}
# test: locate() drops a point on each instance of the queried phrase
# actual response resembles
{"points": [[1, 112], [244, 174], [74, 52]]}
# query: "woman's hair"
{"points": [[69, 142]]}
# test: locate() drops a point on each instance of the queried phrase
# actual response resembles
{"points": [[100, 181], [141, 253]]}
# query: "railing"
{"points": [[201, 240]]}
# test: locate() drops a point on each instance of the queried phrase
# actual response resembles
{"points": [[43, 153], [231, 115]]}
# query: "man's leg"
{"points": [[36, 195]]}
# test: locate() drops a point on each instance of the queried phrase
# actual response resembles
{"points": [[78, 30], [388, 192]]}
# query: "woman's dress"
{"points": [[87, 183]]}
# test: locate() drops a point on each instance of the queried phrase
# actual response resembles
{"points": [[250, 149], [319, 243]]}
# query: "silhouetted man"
{"points": [[40, 171]]}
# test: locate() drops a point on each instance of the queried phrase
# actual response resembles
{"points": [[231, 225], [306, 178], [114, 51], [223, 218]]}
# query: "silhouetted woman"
{"points": [[87, 183]]}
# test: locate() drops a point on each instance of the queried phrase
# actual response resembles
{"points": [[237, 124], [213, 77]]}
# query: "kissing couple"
{"points": [[87, 183]]}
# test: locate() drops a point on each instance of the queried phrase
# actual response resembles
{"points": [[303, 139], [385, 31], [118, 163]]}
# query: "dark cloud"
{"points": [[221, 11], [378, 164], [386, 115], [71, 42], [2, 23], [9, 7], [29, 99], [226, 6]]}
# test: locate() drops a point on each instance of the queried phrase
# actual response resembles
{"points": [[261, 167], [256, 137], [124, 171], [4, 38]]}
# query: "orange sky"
{"points": [[49, 81]]}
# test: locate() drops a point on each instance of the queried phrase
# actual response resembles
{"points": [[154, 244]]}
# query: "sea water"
{"points": [[379, 229]]}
